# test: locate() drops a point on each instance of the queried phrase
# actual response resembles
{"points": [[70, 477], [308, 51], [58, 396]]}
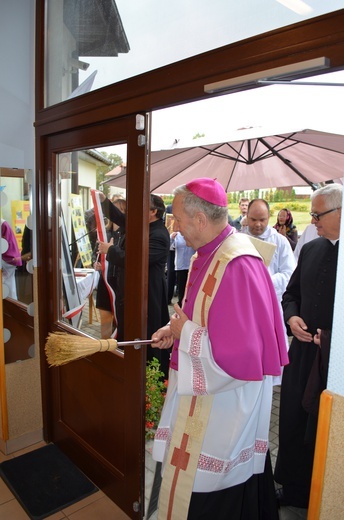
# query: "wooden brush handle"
{"points": [[135, 342]]}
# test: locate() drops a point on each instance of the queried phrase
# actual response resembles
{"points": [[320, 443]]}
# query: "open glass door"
{"points": [[17, 230], [95, 406]]}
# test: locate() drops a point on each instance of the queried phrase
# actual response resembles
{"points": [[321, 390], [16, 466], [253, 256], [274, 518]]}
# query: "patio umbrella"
{"points": [[303, 158]]}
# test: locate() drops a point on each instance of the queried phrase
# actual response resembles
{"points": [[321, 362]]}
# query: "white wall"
{"points": [[17, 83], [87, 174], [335, 376], [17, 150]]}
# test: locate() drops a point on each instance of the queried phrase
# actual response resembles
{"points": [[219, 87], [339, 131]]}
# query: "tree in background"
{"points": [[198, 136]]}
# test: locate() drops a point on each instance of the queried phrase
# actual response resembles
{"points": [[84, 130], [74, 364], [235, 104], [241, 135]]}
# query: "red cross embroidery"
{"points": [[180, 457]]}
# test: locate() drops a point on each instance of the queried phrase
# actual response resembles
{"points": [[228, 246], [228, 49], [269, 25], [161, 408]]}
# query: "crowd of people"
{"points": [[308, 313], [112, 312], [226, 345], [159, 245]]}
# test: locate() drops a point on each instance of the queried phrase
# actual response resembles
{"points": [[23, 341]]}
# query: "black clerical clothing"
{"points": [[310, 295], [237, 222], [159, 246]]}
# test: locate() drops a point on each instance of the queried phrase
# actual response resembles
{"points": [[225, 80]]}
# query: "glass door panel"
{"points": [[92, 288], [94, 43], [96, 403], [17, 252]]}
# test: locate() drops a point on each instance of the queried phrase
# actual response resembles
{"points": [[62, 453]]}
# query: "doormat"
{"points": [[45, 481]]}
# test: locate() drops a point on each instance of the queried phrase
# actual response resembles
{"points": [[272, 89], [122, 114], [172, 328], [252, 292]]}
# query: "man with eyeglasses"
{"points": [[308, 312]]}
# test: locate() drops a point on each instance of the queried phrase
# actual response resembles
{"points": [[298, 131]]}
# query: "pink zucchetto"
{"points": [[209, 190]]}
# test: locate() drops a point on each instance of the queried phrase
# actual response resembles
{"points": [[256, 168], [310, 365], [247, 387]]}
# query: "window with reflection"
{"points": [[92, 284], [94, 43], [16, 235], [17, 251]]}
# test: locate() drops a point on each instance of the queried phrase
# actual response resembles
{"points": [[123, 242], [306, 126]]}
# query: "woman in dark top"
{"points": [[285, 226], [103, 301], [159, 245]]}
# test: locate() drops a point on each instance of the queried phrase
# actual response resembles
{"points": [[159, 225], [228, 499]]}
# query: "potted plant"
{"points": [[155, 396]]}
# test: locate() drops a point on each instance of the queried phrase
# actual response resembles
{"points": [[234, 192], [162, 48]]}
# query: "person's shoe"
{"points": [[281, 500]]}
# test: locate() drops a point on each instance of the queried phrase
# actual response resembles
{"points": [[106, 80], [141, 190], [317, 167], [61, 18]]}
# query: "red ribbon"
{"points": [[102, 237]]}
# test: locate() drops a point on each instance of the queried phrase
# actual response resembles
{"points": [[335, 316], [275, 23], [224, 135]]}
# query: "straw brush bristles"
{"points": [[61, 348]]}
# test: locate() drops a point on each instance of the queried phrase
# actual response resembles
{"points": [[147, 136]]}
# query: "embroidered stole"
{"points": [[193, 413]]}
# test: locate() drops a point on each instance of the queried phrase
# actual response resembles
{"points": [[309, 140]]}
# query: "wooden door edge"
{"points": [[320, 454]]}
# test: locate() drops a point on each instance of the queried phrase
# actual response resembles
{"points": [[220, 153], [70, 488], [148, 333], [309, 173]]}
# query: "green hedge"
{"points": [[275, 207]]}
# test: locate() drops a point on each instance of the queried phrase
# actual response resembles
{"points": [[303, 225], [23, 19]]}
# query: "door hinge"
{"points": [[136, 506], [141, 140], [140, 122]]}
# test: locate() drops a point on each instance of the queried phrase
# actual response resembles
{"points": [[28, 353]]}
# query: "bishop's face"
{"points": [[187, 226]]}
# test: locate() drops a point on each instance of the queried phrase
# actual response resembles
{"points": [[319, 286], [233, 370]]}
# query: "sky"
{"points": [[263, 111], [159, 33]]}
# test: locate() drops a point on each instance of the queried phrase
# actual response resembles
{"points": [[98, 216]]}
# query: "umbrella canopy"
{"points": [[303, 158]]}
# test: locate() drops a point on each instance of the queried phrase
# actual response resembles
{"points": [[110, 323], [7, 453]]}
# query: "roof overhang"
{"points": [[96, 26]]}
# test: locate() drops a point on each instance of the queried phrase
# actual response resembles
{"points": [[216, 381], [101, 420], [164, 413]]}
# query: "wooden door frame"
{"points": [[122, 130], [184, 81]]}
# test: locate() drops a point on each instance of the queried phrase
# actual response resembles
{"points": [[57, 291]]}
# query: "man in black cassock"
{"points": [[307, 306], [159, 245]]}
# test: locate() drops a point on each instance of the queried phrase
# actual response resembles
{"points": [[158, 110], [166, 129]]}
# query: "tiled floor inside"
{"points": [[98, 505]]}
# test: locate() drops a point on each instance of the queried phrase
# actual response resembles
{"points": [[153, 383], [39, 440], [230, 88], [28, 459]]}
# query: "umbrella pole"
{"points": [[287, 163]]}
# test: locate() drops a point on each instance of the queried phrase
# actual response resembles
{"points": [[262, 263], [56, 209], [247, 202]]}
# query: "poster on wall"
{"points": [[169, 221], [80, 231], [20, 210], [72, 305]]}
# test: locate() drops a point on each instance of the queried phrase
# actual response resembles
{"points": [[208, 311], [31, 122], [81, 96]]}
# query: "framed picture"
{"points": [[71, 298], [169, 221], [80, 231]]}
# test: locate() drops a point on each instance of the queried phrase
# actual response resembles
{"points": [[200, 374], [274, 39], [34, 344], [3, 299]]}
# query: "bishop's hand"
{"points": [[177, 321], [162, 338]]}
